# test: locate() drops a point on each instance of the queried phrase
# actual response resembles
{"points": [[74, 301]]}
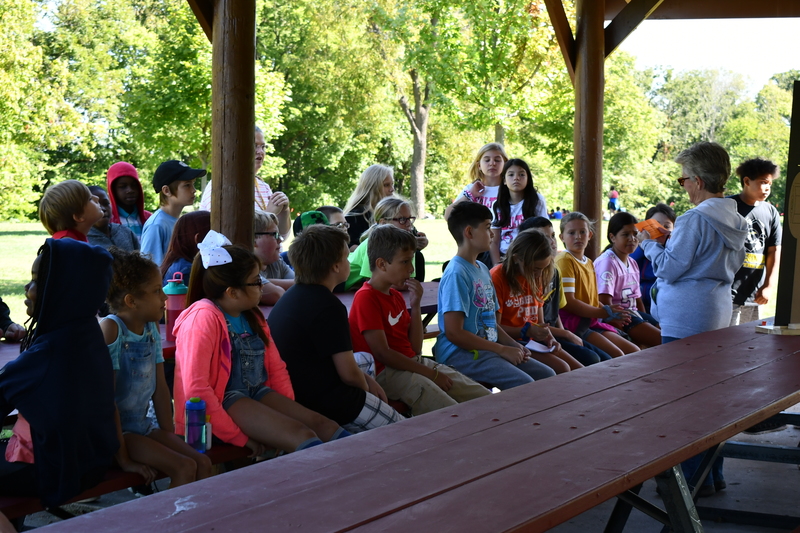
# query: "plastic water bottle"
{"points": [[176, 301], [196, 424]]}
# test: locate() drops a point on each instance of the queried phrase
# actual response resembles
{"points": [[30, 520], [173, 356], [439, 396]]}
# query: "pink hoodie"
{"points": [[203, 367]]}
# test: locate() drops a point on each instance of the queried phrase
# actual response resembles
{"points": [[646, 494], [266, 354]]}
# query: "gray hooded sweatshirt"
{"points": [[695, 269]]}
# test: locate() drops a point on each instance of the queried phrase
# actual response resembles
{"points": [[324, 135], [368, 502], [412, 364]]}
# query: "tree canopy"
{"points": [[343, 84]]}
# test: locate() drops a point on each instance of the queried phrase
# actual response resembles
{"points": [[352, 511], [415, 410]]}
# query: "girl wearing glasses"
{"points": [[225, 355], [395, 211], [517, 199], [277, 275]]}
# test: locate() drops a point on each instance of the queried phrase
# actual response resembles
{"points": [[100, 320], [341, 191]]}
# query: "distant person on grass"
{"points": [[174, 183], [62, 382], [381, 324], [127, 197], [311, 331], [69, 210], [106, 233], [265, 200], [470, 340]]}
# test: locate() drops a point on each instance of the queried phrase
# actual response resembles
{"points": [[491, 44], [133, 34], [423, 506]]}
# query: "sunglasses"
{"points": [[682, 180]]}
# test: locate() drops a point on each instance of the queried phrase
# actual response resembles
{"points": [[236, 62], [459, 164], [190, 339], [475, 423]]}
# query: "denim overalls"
{"points": [[248, 373], [136, 377]]}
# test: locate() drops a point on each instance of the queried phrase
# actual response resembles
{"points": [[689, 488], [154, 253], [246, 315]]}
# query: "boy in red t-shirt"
{"points": [[381, 324]]}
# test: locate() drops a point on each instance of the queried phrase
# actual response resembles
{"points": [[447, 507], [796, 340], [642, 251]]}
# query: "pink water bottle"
{"points": [[176, 301]]}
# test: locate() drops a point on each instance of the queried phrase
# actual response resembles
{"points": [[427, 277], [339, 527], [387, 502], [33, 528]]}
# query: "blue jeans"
{"points": [[136, 378], [691, 465], [497, 372], [588, 354]]}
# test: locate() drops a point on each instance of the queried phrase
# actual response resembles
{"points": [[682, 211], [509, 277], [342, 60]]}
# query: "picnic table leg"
{"points": [[700, 475], [625, 503], [678, 502]]}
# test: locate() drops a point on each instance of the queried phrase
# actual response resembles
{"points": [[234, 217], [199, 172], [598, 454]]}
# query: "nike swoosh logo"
{"points": [[393, 320]]}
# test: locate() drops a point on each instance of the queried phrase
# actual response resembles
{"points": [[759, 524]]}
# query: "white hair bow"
{"points": [[212, 251]]}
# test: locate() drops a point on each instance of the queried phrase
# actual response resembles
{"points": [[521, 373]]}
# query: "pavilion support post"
{"points": [[233, 116], [589, 85]]}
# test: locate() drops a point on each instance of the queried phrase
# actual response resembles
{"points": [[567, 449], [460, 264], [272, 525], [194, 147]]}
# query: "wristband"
{"points": [[468, 196], [611, 314], [523, 333]]}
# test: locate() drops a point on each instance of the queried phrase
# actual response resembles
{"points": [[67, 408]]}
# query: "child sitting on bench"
{"points": [[134, 343], [62, 382], [381, 324]]}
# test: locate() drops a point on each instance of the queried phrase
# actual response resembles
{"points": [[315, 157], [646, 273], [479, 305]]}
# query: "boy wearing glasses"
{"points": [[277, 275]]}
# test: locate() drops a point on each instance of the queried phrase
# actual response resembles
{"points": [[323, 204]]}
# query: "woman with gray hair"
{"points": [[696, 266]]}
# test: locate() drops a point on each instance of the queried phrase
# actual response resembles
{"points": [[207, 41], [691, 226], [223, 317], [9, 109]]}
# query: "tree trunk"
{"points": [[418, 120], [499, 134]]}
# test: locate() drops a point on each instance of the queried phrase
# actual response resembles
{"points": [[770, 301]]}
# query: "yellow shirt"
{"points": [[578, 278]]}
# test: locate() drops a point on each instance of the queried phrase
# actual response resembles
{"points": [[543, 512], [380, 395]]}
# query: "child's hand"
{"points": [[277, 202], [477, 188], [148, 473], [513, 354], [422, 241], [444, 382], [14, 333], [415, 290], [256, 447], [375, 389]]}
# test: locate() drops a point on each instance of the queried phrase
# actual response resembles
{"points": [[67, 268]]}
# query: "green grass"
{"points": [[20, 242]]}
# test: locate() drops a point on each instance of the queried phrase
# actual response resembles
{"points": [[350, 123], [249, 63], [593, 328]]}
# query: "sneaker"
{"points": [[767, 426], [720, 485]]}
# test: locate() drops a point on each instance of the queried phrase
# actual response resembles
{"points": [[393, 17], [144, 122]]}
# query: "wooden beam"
{"points": [[233, 119], [566, 41], [588, 135], [204, 11], [628, 20], [714, 9]]}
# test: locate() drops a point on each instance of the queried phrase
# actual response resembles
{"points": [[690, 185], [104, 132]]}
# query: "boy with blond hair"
{"points": [[310, 329], [69, 210], [381, 324], [470, 340]]}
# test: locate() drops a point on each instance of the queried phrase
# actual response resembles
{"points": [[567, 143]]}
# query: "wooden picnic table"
{"points": [[526, 459]]}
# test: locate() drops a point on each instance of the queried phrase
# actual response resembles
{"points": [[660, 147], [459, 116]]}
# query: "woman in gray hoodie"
{"points": [[695, 267]]}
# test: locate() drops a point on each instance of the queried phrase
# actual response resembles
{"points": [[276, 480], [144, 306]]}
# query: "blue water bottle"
{"points": [[196, 424]]}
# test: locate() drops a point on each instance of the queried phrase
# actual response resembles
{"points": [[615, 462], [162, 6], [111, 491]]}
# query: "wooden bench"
{"points": [[527, 459]]}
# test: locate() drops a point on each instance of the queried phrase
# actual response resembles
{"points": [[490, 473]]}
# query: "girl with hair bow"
{"points": [[225, 356]]}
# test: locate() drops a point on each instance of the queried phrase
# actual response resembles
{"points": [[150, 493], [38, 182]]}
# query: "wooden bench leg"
{"points": [[678, 502]]}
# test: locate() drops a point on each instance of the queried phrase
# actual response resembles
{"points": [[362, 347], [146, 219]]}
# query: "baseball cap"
{"points": [[173, 170], [306, 219]]}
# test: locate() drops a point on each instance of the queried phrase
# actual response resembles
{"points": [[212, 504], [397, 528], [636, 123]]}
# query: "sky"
{"points": [[756, 48]]}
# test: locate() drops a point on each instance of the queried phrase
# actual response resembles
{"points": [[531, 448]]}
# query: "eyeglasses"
{"points": [[682, 180], [274, 234], [341, 225], [403, 220], [261, 282]]}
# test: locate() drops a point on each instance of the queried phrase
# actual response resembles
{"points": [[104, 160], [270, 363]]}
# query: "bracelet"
{"points": [[436, 375]]}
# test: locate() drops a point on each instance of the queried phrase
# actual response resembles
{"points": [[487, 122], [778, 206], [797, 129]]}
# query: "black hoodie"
{"points": [[62, 384]]}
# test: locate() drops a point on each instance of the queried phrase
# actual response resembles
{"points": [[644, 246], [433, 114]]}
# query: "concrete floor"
{"points": [[752, 485]]}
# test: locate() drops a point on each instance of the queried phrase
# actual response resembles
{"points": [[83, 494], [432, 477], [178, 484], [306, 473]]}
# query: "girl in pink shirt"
{"points": [[225, 356]]}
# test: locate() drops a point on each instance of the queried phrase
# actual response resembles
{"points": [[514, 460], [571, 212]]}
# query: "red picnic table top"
{"points": [[526, 459]]}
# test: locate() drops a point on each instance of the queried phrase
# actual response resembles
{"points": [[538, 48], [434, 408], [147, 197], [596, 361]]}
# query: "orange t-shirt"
{"points": [[515, 309]]}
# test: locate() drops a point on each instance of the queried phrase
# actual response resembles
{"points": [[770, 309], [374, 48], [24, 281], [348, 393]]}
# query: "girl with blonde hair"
{"points": [[375, 183]]}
